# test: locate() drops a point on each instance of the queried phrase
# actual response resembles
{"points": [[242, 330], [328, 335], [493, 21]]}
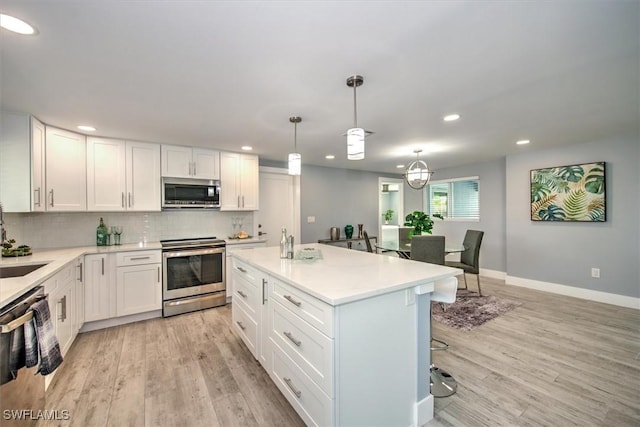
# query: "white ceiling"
{"points": [[228, 73]]}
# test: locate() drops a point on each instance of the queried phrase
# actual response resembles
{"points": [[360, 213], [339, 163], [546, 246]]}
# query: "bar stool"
{"points": [[442, 383]]}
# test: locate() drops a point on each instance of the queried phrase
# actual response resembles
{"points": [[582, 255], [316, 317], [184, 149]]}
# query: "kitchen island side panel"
{"points": [[377, 360]]}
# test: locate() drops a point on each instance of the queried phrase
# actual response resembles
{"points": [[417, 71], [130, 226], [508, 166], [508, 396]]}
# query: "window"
{"points": [[454, 199]]}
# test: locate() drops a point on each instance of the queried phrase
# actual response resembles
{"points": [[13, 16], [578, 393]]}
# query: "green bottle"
{"points": [[101, 234]]}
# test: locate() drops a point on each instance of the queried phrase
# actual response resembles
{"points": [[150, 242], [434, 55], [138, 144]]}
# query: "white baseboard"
{"points": [[572, 291], [423, 411], [493, 274]]}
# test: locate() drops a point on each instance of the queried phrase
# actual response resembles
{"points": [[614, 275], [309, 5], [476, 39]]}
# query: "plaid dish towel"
{"points": [[30, 344], [48, 347]]}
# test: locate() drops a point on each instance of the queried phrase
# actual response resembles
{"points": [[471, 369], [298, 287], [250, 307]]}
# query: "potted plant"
{"points": [[388, 216], [420, 222]]}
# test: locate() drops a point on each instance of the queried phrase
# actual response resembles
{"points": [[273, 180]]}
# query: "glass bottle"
{"points": [[101, 234], [283, 243]]}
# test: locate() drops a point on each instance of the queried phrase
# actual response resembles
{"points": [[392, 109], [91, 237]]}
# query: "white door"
{"points": [[206, 163], [105, 174], [279, 206]]}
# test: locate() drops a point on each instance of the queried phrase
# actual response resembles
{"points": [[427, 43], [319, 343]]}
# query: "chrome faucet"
{"points": [[3, 232]]}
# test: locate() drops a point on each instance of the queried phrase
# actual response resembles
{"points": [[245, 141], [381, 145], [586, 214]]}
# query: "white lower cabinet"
{"points": [[61, 296], [231, 248], [100, 289], [138, 282]]}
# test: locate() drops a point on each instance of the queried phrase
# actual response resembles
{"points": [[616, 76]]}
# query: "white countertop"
{"points": [[56, 259], [344, 275]]}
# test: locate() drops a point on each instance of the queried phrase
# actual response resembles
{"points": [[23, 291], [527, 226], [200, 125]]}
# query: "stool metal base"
{"points": [[442, 383]]}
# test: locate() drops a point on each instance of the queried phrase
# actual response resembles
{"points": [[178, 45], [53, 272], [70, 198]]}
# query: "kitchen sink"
{"points": [[18, 270]]}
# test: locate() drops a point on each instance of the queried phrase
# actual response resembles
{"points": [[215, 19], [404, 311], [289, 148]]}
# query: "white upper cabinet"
{"points": [[106, 181], [189, 162], [239, 182], [143, 176], [122, 175], [15, 162], [38, 147], [66, 175]]}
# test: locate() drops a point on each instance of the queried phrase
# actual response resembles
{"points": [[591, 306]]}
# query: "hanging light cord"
{"points": [[295, 137]]}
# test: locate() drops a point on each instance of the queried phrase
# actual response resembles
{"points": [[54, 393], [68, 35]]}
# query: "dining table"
{"points": [[403, 249]]}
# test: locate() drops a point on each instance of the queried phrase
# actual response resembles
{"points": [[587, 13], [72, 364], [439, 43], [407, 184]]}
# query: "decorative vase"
{"points": [[348, 231], [360, 230]]}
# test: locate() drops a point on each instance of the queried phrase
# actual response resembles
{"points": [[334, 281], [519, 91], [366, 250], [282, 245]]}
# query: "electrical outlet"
{"points": [[311, 219], [595, 273]]}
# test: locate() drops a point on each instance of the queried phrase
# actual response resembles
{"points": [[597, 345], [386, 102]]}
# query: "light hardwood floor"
{"points": [[552, 361]]}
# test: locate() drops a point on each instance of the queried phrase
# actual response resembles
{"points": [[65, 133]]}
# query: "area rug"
{"points": [[469, 311]]}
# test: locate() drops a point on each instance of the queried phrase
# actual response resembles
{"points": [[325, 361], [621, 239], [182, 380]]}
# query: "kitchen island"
{"points": [[344, 336]]}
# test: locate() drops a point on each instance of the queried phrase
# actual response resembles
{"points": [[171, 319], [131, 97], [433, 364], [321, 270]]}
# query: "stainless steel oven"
{"points": [[194, 275]]}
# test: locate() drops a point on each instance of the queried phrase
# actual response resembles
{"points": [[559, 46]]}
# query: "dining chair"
{"points": [[367, 241], [428, 249], [470, 257]]}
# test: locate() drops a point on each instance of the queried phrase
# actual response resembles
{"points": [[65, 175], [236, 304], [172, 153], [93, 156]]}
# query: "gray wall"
{"points": [[337, 197], [563, 252], [492, 213]]}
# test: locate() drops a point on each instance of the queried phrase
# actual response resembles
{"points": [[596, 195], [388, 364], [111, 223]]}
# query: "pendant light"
{"points": [[295, 159], [355, 135], [417, 173]]}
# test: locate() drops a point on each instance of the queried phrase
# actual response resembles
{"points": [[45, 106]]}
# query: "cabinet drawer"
{"points": [[58, 280], [313, 406], [138, 257], [250, 274], [246, 327], [314, 311], [248, 295], [308, 347]]}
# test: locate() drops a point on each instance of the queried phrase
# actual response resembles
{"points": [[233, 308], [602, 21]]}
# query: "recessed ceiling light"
{"points": [[16, 25], [400, 166], [330, 157], [451, 117], [523, 142], [247, 147], [87, 128]]}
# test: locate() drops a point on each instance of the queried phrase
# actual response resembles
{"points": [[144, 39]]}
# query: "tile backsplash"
{"points": [[57, 230]]}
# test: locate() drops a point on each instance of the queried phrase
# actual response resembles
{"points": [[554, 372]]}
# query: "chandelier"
{"points": [[295, 159], [417, 173]]}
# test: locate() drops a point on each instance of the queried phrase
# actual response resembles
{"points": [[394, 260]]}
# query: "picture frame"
{"points": [[571, 193]]}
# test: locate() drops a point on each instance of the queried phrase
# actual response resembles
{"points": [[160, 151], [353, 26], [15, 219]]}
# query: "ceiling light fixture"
{"points": [[523, 142], [417, 174], [246, 148], [451, 117], [295, 159], [329, 157], [355, 135], [87, 128], [16, 25]]}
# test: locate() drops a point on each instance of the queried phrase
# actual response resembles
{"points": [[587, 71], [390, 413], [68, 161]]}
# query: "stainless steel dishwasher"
{"points": [[22, 397]]}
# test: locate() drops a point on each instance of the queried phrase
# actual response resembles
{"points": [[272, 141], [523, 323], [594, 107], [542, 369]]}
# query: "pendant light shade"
{"points": [[295, 159], [355, 135], [355, 144], [417, 173]]}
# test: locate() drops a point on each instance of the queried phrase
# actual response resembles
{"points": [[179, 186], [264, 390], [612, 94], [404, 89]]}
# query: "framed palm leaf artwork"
{"points": [[569, 193]]}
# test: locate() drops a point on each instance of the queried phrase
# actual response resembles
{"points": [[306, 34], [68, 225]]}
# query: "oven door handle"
{"points": [[173, 253]]}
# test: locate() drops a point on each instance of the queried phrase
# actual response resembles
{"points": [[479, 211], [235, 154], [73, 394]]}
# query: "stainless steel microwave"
{"points": [[190, 193]]}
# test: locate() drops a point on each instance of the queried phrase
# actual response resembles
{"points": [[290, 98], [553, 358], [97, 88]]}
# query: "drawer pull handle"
{"points": [[292, 301], [264, 291], [298, 393], [139, 258], [241, 325], [242, 294], [289, 335], [241, 269]]}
